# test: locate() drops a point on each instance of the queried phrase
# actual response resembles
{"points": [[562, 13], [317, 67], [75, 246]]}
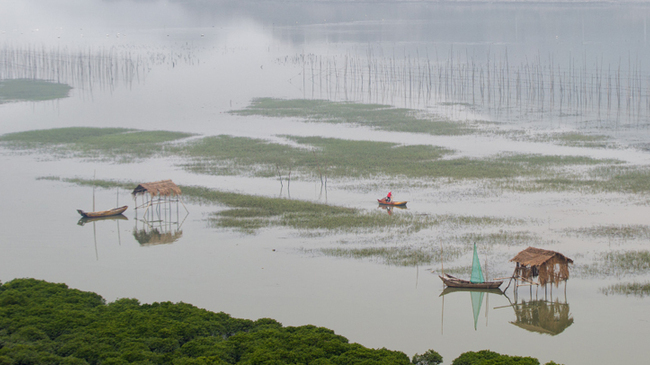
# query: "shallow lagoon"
{"points": [[195, 66]]}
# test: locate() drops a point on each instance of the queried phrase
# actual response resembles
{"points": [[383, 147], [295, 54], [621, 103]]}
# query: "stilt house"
{"points": [[159, 192], [545, 265]]}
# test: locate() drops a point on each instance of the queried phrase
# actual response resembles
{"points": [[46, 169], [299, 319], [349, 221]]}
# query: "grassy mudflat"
{"points": [[317, 157], [360, 159], [118, 144], [31, 90], [618, 263], [615, 232], [635, 289], [381, 117]]}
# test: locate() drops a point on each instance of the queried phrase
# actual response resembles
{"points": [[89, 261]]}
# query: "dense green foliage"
{"points": [[45, 323], [487, 357], [428, 358]]}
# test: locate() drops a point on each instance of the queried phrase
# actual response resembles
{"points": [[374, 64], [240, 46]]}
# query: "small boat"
{"points": [[120, 217], [454, 282], [477, 281], [384, 202], [103, 213]]}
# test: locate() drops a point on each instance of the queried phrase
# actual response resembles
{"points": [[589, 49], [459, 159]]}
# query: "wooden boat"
{"points": [[103, 213], [454, 282], [477, 282], [396, 204], [120, 217]]}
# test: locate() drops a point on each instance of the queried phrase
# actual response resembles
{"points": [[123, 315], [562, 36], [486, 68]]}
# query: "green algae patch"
{"points": [[618, 264], [118, 144], [376, 116], [628, 289], [334, 157], [614, 232], [32, 90]]}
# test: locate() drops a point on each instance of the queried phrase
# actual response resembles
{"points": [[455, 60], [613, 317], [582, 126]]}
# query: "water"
{"points": [[196, 61]]}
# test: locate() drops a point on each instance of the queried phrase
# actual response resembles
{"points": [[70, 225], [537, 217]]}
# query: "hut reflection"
{"points": [[541, 316], [155, 236]]}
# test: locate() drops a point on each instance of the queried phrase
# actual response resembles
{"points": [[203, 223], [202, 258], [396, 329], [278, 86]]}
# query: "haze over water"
{"points": [[181, 66]]}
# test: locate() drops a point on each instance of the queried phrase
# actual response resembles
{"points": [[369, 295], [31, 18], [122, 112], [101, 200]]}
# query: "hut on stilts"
{"points": [[159, 225], [159, 194], [548, 267]]}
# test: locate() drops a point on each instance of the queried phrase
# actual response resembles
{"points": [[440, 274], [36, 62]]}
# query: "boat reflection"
{"points": [[541, 316], [389, 208], [476, 296]]}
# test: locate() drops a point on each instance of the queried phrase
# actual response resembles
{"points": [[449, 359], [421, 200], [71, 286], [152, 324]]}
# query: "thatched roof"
{"points": [[163, 188], [536, 257]]}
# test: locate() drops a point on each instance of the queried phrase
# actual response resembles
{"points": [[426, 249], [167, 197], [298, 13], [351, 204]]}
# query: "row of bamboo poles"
{"points": [[543, 86], [89, 69]]}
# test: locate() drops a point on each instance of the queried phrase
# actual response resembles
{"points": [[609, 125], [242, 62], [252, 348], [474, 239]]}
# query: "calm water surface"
{"points": [[195, 62]]}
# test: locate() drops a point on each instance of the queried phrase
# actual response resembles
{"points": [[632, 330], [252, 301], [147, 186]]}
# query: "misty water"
{"points": [[182, 66]]}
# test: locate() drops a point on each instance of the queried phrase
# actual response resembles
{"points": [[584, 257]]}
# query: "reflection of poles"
{"points": [[95, 238], [442, 320], [119, 238]]}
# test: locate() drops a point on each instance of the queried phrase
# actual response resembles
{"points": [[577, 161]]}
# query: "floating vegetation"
{"points": [[120, 144], [635, 289], [619, 263], [614, 232], [571, 139], [345, 158], [317, 156], [626, 179], [31, 90], [396, 256], [376, 116], [506, 238], [610, 177], [575, 139]]}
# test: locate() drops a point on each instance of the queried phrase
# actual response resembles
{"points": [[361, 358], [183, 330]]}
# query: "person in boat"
{"points": [[389, 197]]}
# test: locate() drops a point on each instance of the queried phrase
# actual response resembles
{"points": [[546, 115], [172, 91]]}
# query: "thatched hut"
{"points": [[158, 192], [545, 265], [158, 188]]}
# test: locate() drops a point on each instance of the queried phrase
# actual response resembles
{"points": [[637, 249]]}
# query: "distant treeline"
{"points": [[46, 323]]}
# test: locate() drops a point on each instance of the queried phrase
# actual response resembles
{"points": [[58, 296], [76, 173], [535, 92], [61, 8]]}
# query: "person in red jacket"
{"points": [[389, 197]]}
